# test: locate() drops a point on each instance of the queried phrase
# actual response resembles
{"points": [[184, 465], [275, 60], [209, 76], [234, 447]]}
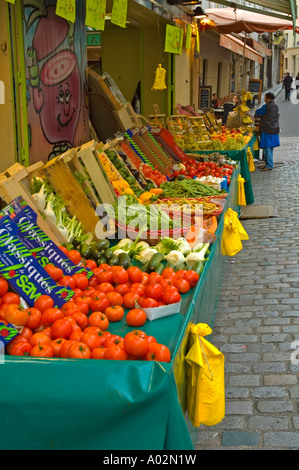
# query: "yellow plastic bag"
{"points": [[241, 192], [205, 396], [233, 234], [159, 83], [250, 161]]}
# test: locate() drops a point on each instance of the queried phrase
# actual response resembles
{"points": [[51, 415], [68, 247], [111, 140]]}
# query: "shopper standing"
{"points": [[287, 84], [269, 129]]}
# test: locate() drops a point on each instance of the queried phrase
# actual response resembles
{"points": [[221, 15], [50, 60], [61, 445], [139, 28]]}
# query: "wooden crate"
{"points": [[14, 182], [65, 184], [97, 187]]}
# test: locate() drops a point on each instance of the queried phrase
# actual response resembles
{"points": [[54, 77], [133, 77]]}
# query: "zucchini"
{"points": [[101, 259], [114, 261], [160, 268], [124, 260], [156, 259], [85, 250], [108, 253], [103, 245]]}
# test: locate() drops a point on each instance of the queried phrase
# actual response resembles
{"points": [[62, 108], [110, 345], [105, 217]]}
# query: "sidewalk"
{"points": [[257, 321]]}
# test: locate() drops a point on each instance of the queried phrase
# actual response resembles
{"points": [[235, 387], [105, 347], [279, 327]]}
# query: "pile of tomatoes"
{"points": [[79, 329], [198, 169]]}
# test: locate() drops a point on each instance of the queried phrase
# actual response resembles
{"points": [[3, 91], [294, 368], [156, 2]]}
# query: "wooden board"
{"points": [[76, 202]]}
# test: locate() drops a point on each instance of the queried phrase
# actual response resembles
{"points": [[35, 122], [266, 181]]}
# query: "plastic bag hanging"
{"points": [[205, 378], [159, 83], [241, 201], [251, 164], [233, 234]]}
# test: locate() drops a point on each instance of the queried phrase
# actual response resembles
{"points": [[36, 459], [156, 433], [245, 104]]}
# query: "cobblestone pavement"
{"points": [[257, 321]]}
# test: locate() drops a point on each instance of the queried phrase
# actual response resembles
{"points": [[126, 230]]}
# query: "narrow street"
{"points": [[257, 319]]}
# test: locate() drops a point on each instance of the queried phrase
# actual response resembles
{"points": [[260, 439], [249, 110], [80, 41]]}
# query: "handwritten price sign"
{"points": [[95, 14], [173, 39], [66, 9], [119, 13]]}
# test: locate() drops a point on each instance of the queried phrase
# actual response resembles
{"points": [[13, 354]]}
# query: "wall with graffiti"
{"points": [[57, 95]]}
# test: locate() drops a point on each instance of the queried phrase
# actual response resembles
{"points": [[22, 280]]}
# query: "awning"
{"points": [[284, 9], [258, 47], [237, 45], [230, 20]]}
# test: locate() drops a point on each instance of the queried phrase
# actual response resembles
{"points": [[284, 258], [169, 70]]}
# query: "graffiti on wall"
{"points": [[57, 98]]}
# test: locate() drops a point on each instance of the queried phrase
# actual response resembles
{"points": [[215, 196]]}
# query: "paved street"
{"points": [[257, 318]]}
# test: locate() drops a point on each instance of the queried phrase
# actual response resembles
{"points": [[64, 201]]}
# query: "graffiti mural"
{"points": [[57, 98]]}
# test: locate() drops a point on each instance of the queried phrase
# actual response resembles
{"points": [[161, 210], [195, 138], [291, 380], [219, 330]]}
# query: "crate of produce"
{"points": [[15, 182]]}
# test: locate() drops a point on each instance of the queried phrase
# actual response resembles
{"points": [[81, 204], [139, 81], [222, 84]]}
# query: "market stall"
{"points": [[116, 397]]}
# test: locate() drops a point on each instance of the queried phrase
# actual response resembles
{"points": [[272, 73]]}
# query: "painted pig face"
{"points": [[60, 85]]}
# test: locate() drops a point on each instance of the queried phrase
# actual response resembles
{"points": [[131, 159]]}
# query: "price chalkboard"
{"points": [[205, 97], [255, 87]]}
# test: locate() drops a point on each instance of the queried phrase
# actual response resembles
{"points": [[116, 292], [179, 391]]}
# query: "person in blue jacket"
{"points": [[269, 129]]}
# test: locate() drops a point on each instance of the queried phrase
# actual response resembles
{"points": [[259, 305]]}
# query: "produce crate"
{"points": [[14, 182], [143, 150], [59, 174]]}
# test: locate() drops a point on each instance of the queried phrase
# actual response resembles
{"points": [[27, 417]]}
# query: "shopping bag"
{"points": [[241, 191], [205, 396], [159, 83], [250, 161], [233, 234]]}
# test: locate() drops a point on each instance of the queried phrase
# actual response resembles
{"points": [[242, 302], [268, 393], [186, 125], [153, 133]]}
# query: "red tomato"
{"points": [[88, 291], [34, 318], [112, 340], [81, 319], [192, 277], [147, 302], [106, 275], [61, 328], [91, 264], [39, 338], [137, 288], [145, 278], [43, 302], [92, 340], [116, 353], [158, 352], [99, 304], [63, 249], [26, 332], [167, 271], [78, 350], [42, 350], [155, 278], [105, 287], [3, 286], [180, 273], [98, 319], [16, 315], [129, 299], [54, 272], [115, 298], [70, 304], [182, 285], [65, 347], [81, 280], [135, 343], [74, 256], [10, 298], [68, 281], [20, 348], [171, 295], [76, 335], [78, 293], [122, 289], [50, 315], [136, 317], [154, 291], [114, 313], [98, 353], [56, 345], [120, 275], [83, 306], [135, 274]]}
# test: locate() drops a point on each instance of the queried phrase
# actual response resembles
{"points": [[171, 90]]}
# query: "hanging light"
{"points": [[199, 13]]}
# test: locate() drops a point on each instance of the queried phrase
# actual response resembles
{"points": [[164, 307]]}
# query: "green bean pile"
{"points": [[188, 188]]}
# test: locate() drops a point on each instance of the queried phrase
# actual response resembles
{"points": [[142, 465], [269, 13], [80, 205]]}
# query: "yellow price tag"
{"points": [[66, 9], [95, 14], [11, 1], [119, 13], [188, 37], [173, 39]]}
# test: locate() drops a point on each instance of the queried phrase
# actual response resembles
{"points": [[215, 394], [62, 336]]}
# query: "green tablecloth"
{"points": [[239, 156], [69, 404]]}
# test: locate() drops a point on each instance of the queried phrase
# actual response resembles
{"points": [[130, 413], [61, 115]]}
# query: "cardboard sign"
{"points": [[42, 247], [7, 333], [66, 9], [23, 271], [95, 14], [119, 13]]}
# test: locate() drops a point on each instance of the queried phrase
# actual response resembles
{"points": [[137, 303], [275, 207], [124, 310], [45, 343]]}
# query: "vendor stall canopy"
{"points": [[263, 16]]}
